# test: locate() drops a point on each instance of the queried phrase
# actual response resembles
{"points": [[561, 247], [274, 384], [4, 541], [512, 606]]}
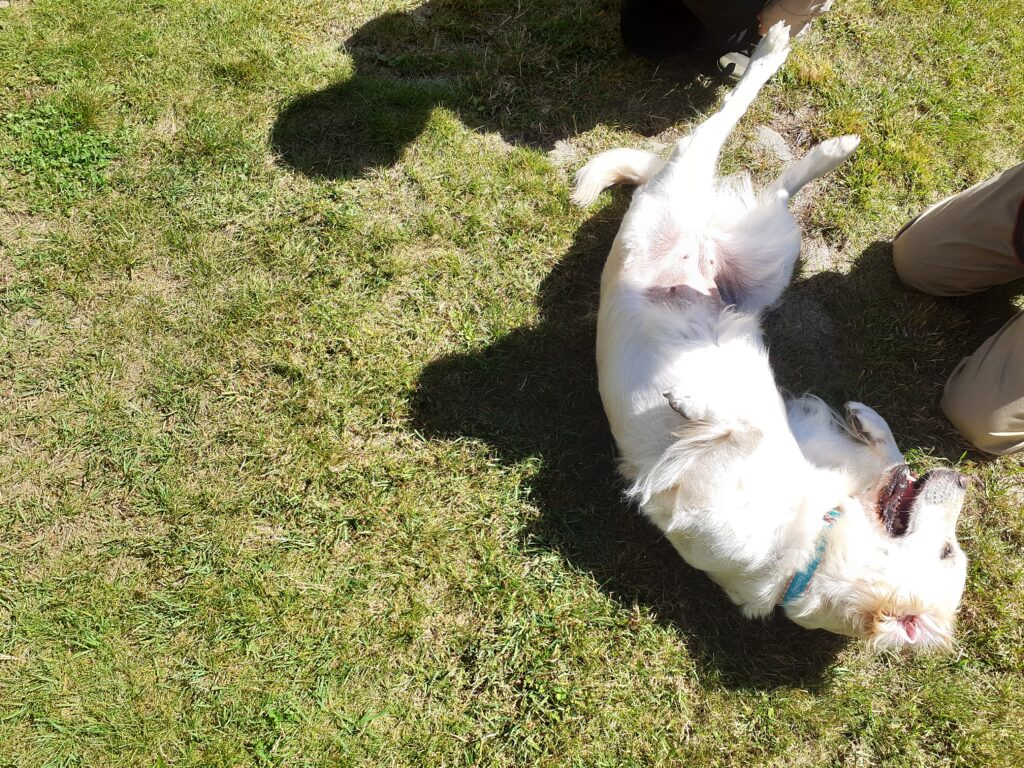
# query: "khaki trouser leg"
{"points": [[984, 396], [967, 243], [797, 13]]}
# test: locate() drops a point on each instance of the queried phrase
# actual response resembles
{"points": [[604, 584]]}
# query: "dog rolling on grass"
{"points": [[781, 503]]}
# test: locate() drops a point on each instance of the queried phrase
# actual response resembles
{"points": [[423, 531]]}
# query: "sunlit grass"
{"points": [[301, 456]]}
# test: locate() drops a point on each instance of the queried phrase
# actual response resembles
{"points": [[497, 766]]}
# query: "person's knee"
{"points": [[926, 263], [982, 426], [908, 257]]}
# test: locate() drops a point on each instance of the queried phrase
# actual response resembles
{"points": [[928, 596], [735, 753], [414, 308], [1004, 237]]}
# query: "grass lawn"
{"points": [[302, 460]]}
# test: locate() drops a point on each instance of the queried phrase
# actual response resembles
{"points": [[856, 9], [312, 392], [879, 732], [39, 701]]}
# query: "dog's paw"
{"points": [[773, 48], [684, 405], [866, 425], [840, 147], [809, 408]]}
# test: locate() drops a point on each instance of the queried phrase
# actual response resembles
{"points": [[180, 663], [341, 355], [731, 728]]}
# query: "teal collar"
{"points": [[802, 578]]}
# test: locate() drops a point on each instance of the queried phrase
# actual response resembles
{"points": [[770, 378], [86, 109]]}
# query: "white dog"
{"points": [[781, 504]]}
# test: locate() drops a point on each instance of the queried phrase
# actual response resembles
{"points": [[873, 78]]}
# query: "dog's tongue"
{"points": [[909, 624]]}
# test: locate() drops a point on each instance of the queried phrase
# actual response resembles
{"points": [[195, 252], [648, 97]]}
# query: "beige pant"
{"points": [[964, 244], [797, 13]]}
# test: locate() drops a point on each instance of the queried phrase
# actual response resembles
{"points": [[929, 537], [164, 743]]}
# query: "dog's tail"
{"points": [[616, 166]]}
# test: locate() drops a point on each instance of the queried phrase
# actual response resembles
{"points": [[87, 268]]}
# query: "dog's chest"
{"points": [[734, 529]]}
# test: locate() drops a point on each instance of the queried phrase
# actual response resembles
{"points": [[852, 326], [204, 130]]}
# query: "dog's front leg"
{"points": [[867, 426], [685, 405], [701, 422], [823, 158]]}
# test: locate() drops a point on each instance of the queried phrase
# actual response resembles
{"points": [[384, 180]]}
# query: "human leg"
{"points": [[967, 242], [984, 396]]}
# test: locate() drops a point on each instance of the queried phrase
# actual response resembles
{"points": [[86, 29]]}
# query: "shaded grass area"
{"points": [[301, 455], [533, 73]]}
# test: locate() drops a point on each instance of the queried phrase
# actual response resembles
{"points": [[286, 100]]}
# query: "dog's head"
{"points": [[893, 572]]}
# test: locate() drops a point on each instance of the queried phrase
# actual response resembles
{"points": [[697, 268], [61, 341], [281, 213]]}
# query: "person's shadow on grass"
{"points": [[534, 72]]}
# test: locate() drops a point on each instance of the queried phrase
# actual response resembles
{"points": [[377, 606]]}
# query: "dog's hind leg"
{"points": [[664, 228], [823, 158], [756, 256], [691, 167], [757, 253]]}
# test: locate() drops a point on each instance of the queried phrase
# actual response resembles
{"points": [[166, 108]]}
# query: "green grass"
{"points": [[301, 456]]}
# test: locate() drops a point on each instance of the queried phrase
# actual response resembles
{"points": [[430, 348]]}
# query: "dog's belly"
{"points": [[712, 358]]}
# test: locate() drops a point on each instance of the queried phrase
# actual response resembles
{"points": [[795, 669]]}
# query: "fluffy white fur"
{"points": [[739, 480]]}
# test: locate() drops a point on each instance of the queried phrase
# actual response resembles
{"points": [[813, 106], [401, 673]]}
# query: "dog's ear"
{"points": [[892, 625]]}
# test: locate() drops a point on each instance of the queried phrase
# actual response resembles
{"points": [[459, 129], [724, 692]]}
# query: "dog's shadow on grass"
{"points": [[533, 71], [533, 394], [842, 335]]}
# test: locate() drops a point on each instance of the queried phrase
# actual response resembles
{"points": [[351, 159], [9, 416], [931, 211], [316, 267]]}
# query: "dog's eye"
{"points": [[947, 551]]}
